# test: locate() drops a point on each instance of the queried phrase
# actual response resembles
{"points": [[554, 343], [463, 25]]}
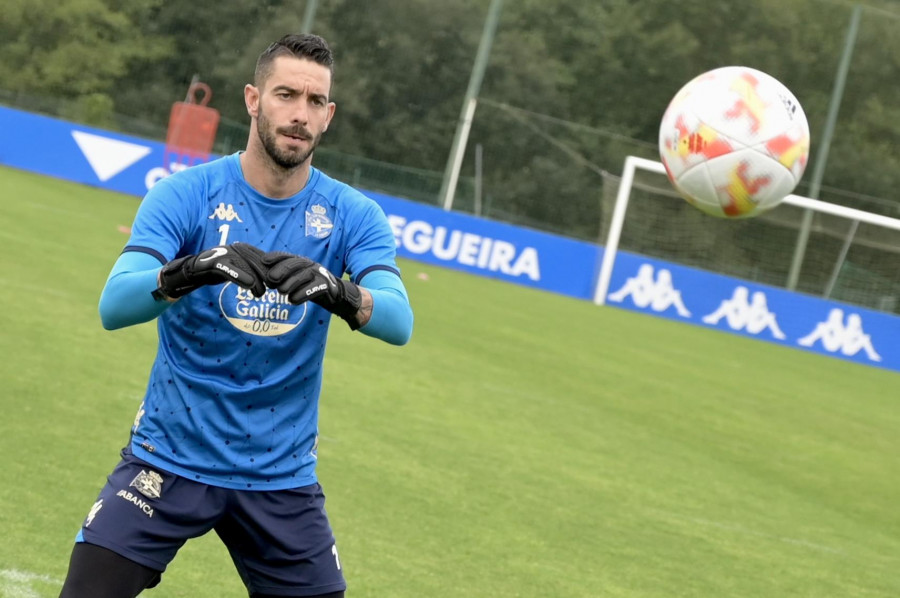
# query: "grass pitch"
{"points": [[523, 444]]}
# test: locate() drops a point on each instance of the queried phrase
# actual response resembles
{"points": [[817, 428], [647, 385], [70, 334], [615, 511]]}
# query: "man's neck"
{"points": [[271, 180]]}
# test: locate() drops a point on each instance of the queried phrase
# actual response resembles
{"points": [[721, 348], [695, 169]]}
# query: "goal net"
{"points": [[849, 255]]}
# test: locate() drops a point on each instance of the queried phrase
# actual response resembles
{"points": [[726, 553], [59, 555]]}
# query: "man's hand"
{"points": [[239, 263], [301, 280]]}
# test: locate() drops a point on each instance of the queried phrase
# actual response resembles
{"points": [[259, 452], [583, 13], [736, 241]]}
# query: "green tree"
{"points": [[74, 50], [209, 40], [571, 87]]}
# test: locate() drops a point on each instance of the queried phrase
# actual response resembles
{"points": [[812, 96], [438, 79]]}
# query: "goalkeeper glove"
{"points": [[301, 280], [239, 263]]}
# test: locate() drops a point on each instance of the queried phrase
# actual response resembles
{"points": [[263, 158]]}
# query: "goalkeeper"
{"points": [[241, 261]]}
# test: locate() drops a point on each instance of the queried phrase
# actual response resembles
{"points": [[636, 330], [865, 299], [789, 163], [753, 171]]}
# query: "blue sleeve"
{"points": [[126, 299], [370, 240], [167, 217], [392, 316]]}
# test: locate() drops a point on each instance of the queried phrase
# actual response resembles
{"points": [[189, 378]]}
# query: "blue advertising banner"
{"points": [[82, 154], [540, 260], [493, 249], [758, 311]]}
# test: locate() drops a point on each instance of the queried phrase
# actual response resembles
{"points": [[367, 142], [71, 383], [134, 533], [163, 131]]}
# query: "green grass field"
{"points": [[523, 444]]}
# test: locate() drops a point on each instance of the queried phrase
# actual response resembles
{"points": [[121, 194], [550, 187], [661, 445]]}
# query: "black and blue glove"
{"points": [[239, 263], [300, 279]]}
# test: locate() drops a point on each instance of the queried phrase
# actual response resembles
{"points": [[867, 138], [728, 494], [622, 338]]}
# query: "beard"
{"points": [[286, 159]]}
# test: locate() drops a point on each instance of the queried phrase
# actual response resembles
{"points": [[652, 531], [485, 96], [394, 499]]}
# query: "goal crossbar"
{"points": [[632, 163]]}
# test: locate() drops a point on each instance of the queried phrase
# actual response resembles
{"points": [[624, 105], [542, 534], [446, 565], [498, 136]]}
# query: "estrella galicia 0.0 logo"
{"points": [[269, 315]]}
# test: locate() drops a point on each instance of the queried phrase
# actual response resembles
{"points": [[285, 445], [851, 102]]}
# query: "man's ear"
{"points": [[251, 100], [331, 108]]}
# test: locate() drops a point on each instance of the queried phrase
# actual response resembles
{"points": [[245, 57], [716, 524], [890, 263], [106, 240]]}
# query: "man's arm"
{"points": [[387, 313], [138, 290], [127, 299]]}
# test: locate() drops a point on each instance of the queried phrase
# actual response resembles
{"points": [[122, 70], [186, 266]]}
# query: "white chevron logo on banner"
{"points": [[108, 157]]}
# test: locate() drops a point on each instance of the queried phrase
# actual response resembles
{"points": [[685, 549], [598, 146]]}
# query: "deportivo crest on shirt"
{"points": [[318, 224], [148, 483]]}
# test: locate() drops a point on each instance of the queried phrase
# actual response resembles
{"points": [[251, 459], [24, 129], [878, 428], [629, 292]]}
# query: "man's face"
{"points": [[291, 109]]}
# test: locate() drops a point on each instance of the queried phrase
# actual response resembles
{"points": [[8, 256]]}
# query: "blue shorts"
{"points": [[280, 541]]}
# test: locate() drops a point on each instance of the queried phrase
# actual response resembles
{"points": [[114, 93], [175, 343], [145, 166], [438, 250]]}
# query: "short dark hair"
{"points": [[304, 45]]}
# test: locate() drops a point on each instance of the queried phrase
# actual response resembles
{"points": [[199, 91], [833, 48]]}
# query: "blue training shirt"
{"points": [[233, 394]]}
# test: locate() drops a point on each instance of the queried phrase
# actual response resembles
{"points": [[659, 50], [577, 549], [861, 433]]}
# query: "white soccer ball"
{"points": [[734, 142]]}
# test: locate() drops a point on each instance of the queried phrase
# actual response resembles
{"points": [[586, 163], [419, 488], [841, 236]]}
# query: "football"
{"points": [[734, 142]]}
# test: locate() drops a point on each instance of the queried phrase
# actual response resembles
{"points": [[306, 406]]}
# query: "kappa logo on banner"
{"points": [[740, 314], [108, 157], [836, 336], [656, 293]]}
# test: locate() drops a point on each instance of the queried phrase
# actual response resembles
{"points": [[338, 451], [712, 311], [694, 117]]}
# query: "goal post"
{"points": [[852, 217], [618, 220]]}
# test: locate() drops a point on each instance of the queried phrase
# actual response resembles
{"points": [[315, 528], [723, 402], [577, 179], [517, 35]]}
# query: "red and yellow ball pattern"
{"points": [[734, 142]]}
